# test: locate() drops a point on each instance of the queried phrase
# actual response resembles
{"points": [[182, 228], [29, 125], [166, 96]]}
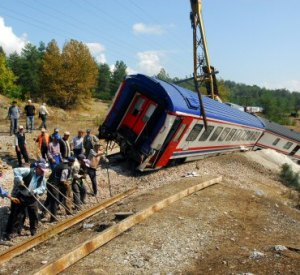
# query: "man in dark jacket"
{"points": [[20, 145], [29, 183], [65, 148], [59, 183], [30, 112]]}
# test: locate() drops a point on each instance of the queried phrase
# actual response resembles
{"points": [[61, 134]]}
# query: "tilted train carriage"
{"points": [[156, 123]]}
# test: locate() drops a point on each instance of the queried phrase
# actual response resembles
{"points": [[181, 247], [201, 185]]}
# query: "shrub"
{"points": [[289, 178]]}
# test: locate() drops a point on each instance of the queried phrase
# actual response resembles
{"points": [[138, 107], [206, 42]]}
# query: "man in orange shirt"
{"points": [[43, 141]]}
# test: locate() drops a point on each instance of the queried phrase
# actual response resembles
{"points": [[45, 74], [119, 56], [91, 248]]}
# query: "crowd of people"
{"points": [[69, 162]]}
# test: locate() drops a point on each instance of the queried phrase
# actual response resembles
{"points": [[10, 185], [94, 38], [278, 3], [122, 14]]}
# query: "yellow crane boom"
{"points": [[203, 71]]}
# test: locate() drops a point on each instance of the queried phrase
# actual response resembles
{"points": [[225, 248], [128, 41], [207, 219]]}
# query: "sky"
{"points": [[254, 42]]}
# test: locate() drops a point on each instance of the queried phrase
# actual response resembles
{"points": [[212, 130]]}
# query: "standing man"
{"points": [[88, 142], [65, 148], [20, 145], [30, 112], [54, 154], [78, 187], [43, 142], [43, 113], [29, 183], [60, 182], [13, 115], [77, 144], [94, 158]]}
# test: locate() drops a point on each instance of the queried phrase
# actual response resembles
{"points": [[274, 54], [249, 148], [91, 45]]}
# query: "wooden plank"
{"points": [[63, 225], [93, 243]]}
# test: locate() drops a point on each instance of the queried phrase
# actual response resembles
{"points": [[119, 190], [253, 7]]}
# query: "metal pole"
{"points": [[59, 202], [36, 198], [61, 193], [108, 179]]}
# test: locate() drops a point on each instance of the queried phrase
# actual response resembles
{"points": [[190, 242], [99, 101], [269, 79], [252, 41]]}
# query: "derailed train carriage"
{"points": [[155, 123]]}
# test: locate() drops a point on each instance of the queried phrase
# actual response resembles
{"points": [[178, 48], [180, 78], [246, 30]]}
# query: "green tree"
{"points": [[103, 84], [7, 78], [118, 75], [163, 75], [29, 77]]}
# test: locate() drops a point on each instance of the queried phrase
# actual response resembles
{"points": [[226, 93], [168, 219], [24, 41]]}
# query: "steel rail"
{"points": [[63, 225]]}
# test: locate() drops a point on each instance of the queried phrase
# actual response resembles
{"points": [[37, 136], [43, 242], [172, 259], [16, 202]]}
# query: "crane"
{"points": [[203, 71]]}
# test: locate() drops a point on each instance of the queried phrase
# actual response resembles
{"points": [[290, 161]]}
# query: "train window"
{"points": [[244, 135], [149, 113], [179, 132], [138, 106], [288, 145], [206, 133], [251, 135], [254, 136], [224, 134], [248, 135], [232, 132], [275, 142], [237, 135], [216, 133], [194, 132]]}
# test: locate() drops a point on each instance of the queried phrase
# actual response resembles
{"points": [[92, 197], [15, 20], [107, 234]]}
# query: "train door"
{"points": [[177, 131], [294, 151], [138, 113]]}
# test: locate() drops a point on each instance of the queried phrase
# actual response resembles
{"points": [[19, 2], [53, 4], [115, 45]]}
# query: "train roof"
{"points": [[185, 101], [280, 130]]}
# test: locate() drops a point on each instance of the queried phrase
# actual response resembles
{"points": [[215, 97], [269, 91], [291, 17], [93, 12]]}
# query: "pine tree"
{"points": [[118, 76], [104, 79]]}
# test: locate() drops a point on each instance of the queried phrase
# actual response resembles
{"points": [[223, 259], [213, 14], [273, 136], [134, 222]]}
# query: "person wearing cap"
{"points": [[94, 157], [43, 141], [30, 112], [78, 186], [77, 144], [60, 182], [88, 142], [43, 114], [65, 148], [55, 131], [13, 115], [54, 154], [29, 183], [20, 145]]}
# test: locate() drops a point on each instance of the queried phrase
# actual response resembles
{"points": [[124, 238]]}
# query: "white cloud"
{"points": [[9, 41], [141, 28], [131, 71], [97, 50], [150, 62], [291, 85]]}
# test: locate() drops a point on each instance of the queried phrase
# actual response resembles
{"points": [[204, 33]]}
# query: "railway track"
{"points": [[59, 252]]}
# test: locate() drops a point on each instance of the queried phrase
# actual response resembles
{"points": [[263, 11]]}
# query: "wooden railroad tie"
{"points": [[102, 238]]}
